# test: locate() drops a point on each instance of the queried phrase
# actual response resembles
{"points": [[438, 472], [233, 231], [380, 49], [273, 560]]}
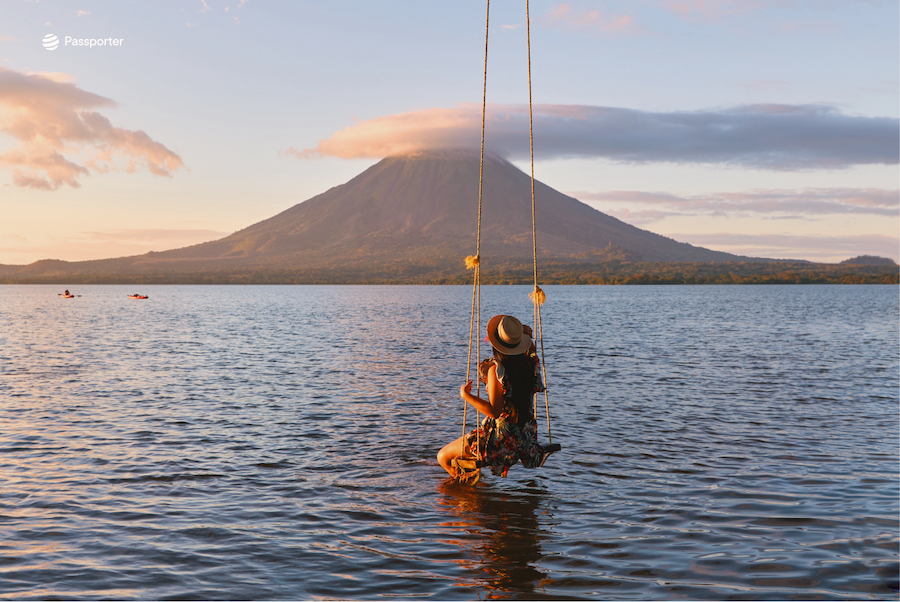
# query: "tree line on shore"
{"points": [[509, 272]]}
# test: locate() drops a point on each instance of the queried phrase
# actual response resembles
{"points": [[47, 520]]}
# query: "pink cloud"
{"points": [[809, 202], [640, 218], [714, 10], [793, 246], [61, 140], [771, 136], [402, 134], [565, 15]]}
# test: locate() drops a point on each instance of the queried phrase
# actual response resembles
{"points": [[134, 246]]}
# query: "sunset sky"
{"points": [[757, 127]]}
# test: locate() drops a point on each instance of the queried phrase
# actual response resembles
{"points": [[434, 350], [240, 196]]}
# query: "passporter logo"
{"points": [[51, 42], [91, 42]]}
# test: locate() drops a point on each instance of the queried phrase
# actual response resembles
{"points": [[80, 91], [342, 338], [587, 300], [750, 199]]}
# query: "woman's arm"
{"points": [[492, 408]]}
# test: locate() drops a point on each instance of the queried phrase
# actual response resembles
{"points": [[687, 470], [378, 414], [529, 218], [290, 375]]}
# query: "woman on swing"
{"points": [[508, 432]]}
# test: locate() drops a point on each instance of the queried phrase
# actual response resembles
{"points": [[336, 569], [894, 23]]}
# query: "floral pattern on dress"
{"points": [[499, 442]]}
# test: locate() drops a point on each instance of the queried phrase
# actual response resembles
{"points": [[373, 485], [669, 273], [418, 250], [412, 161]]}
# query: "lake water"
{"points": [[278, 442]]}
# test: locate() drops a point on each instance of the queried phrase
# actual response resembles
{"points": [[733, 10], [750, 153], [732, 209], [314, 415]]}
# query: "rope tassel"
{"points": [[537, 296], [473, 261]]}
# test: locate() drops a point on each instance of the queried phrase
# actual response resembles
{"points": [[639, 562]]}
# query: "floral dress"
{"points": [[499, 442]]}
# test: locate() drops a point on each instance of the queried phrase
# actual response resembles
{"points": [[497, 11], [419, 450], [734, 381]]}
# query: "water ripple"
{"points": [[278, 443]]}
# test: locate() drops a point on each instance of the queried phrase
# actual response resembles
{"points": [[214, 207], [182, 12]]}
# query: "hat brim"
{"points": [[523, 345]]}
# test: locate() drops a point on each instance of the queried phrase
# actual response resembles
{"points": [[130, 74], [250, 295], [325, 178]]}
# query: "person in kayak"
{"points": [[508, 432]]}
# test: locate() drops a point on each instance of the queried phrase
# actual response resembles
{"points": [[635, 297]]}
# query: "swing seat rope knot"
{"points": [[473, 261]]}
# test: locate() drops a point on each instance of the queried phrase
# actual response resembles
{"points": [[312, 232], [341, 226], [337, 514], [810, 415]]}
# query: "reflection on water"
{"points": [[501, 542], [279, 443]]}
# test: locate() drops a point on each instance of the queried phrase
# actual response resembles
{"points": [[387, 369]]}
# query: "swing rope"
{"points": [[474, 262], [537, 296]]}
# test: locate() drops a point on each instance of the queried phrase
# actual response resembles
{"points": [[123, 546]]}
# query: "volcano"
{"points": [[424, 206], [416, 212]]}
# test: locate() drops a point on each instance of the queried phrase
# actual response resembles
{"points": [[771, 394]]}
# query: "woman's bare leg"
{"points": [[448, 453]]}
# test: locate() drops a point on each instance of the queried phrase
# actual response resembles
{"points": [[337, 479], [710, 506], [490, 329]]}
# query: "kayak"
{"points": [[138, 297], [67, 296]]}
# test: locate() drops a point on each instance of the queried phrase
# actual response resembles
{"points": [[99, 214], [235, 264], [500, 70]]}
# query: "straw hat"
{"points": [[506, 336]]}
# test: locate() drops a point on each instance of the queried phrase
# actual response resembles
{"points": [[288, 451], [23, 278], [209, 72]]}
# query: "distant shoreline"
{"points": [[609, 273]]}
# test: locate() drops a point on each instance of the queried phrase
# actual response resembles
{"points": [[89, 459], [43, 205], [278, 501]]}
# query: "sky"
{"points": [[757, 127]]}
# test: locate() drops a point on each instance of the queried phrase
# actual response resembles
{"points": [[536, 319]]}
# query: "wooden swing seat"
{"points": [[467, 464]]}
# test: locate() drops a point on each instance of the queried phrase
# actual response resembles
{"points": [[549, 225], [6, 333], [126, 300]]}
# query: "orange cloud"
{"points": [[768, 136], [60, 140], [402, 134]]}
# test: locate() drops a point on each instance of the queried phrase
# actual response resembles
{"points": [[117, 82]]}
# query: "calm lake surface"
{"points": [[278, 442]]}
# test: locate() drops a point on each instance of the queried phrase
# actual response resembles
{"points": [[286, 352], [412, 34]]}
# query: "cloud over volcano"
{"points": [[776, 137]]}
